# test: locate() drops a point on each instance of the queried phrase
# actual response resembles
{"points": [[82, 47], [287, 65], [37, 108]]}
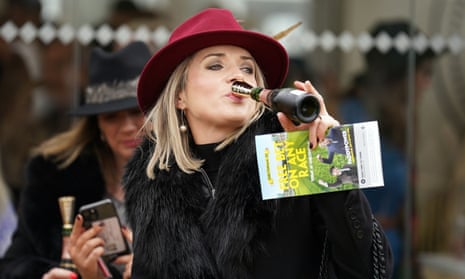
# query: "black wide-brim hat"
{"points": [[113, 78], [208, 28]]}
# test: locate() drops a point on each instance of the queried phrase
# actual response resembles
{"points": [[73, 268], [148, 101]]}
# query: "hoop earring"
{"points": [[182, 127]]}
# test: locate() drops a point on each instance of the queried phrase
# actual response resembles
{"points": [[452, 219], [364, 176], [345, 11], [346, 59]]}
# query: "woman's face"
{"points": [[210, 107], [120, 130]]}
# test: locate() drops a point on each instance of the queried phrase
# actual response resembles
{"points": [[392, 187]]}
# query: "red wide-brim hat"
{"points": [[208, 28]]}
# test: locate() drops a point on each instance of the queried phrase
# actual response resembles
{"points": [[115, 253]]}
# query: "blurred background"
{"points": [[400, 62]]}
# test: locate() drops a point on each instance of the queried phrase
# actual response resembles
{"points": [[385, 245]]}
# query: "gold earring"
{"points": [[182, 127]]}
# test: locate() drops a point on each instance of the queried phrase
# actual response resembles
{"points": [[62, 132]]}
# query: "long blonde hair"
{"points": [[64, 148], [162, 126]]}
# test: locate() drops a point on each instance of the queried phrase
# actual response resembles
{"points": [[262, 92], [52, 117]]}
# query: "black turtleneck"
{"points": [[212, 159]]}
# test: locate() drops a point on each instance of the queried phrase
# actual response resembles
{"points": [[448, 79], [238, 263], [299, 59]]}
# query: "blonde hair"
{"points": [[163, 121], [64, 148]]}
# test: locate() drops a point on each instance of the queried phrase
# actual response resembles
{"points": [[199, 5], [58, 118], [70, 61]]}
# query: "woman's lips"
{"points": [[132, 142], [236, 98]]}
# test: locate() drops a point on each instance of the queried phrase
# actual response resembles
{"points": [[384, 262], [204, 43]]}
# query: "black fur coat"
{"points": [[37, 242], [180, 234]]}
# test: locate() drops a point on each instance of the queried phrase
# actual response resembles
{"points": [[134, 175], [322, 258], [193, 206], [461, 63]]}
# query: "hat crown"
{"points": [[209, 20], [120, 66], [113, 78], [210, 27]]}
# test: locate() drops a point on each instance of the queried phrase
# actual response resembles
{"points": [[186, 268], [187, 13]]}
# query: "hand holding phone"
{"points": [[103, 213]]}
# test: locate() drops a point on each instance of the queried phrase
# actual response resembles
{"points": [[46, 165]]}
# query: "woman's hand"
{"points": [[59, 273], [126, 259], [86, 249], [316, 129]]}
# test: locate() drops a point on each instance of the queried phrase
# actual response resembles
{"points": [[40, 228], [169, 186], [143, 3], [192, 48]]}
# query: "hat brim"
{"points": [[113, 106], [269, 54]]}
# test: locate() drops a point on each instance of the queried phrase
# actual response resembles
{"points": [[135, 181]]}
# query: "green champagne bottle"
{"points": [[297, 105], [67, 210]]}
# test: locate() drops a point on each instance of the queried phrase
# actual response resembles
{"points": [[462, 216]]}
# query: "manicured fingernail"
{"points": [[73, 276], [311, 145]]}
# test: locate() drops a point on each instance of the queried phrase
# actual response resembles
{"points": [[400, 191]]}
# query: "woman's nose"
{"points": [[237, 75], [130, 123]]}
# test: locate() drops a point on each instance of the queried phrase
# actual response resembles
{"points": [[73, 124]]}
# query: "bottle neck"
{"points": [[255, 93], [66, 230]]}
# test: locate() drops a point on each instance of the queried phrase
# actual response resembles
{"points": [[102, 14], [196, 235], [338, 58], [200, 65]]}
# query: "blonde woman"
{"points": [[192, 189]]}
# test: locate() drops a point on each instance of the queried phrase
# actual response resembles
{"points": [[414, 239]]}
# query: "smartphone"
{"points": [[103, 213]]}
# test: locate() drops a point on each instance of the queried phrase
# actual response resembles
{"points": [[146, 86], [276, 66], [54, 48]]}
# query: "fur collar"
{"points": [[178, 235]]}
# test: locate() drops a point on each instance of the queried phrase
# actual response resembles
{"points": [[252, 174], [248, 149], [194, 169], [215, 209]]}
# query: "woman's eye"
{"points": [[248, 70], [215, 67], [135, 112], [109, 116]]}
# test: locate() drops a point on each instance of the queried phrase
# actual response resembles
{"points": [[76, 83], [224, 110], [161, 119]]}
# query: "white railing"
{"points": [[305, 41]]}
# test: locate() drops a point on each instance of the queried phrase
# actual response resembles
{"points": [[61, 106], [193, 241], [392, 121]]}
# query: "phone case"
{"points": [[104, 213]]}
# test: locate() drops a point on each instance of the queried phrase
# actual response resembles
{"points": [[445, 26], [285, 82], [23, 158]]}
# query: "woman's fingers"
{"points": [[316, 129], [86, 248], [287, 124], [307, 86], [83, 241], [59, 273], [128, 269], [77, 229], [127, 233]]}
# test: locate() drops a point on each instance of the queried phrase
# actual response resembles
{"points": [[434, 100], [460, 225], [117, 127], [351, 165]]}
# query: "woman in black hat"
{"points": [[86, 162], [193, 191]]}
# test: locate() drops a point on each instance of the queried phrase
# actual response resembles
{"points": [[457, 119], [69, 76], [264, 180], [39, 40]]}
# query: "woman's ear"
{"points": [[180, 104]]}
